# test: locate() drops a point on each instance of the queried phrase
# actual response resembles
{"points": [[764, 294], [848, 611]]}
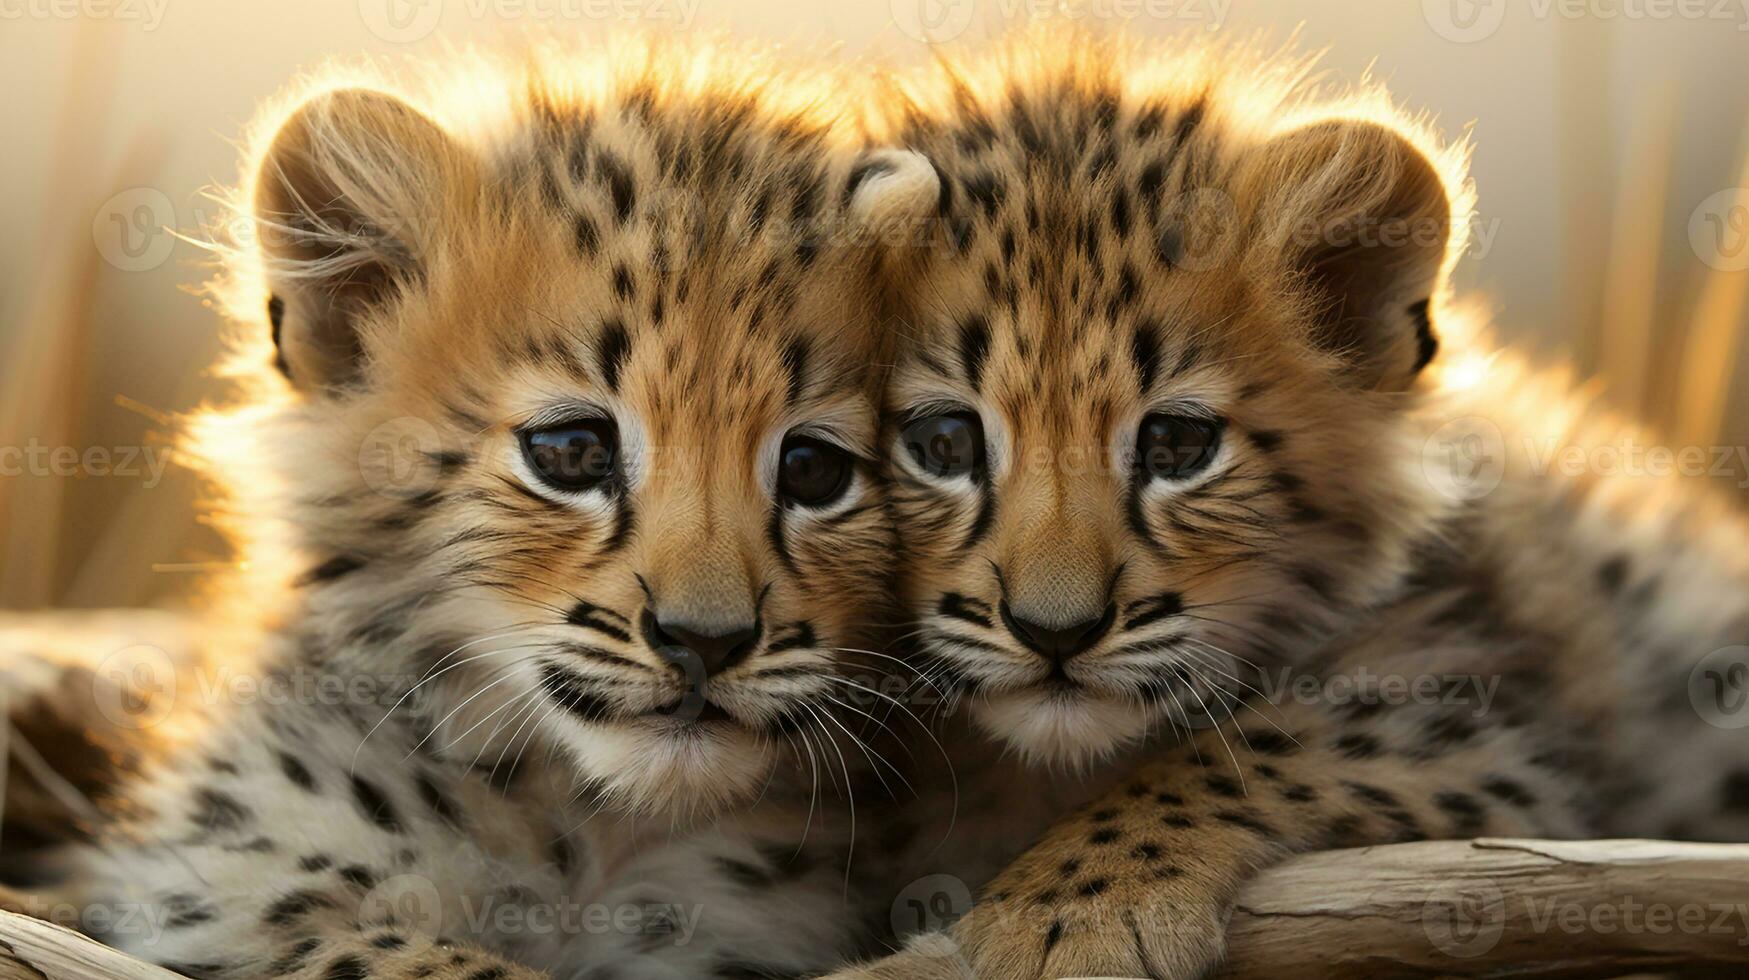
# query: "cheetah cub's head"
{"points": [[1145, 422], [581, 426]]}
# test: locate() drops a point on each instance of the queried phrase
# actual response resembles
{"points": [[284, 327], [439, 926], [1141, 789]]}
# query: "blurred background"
{"points": [[1611, 148]]}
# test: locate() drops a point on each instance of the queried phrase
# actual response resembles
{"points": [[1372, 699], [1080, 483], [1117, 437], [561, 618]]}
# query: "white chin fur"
{"points": [[652, 767], [1051, 728]]}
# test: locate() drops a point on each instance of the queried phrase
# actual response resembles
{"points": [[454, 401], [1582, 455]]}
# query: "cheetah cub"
{"points": [[567, 502], [1173, 451]]}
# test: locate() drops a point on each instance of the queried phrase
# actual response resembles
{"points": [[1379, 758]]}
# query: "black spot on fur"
{"points": [[375, 806], [316, 862], [1054, 934], [1426, 344], [588, 239], [795, 361], [1508, 791], [1145, 352], [1105, 836], [218, 810], [1222, 786], [974, 348], [745, 873], [623, 284], [297, 772], [347, 968], [619, 182], [611, 350], [295, 958], [358, 876], [1270, 742], [438, 801], [1466, 812], [1092, 887], [1245, 821], [1177, 821], [1357, 745], [1613, 574], [331, 569], [290, 908]]}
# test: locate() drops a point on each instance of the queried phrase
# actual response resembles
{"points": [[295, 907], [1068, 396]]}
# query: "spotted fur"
{"points": [[480, 661], [1136, 231]]}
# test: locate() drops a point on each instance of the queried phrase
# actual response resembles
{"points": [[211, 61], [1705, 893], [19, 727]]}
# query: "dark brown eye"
{"points": [[1172, 447], [812, 473], [578, 455], [947, 445]]}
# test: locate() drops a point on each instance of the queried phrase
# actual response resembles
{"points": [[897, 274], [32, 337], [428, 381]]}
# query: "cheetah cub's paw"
{"points": [[1111, 934], [932, 956]]}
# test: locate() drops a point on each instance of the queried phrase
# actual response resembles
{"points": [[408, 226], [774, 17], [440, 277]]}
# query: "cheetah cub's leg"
{"points": [[389, 955], [1141, 882]]}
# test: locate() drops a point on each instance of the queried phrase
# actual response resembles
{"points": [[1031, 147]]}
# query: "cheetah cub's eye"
{"points": [[573, 456], [1172, 447], [811, 472], [947, 445]]}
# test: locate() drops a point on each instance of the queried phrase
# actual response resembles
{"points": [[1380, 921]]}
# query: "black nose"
{"points": [[718, 652], [1058, 644]]}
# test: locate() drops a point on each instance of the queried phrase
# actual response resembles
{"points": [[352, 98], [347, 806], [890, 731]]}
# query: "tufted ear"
{"points": [[892, 196], [1363, 216], [347, 200]]}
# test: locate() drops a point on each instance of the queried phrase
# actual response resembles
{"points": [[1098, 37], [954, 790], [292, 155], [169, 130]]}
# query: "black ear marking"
{"points": [[869, 167], [1427, 345], [276, 318]]}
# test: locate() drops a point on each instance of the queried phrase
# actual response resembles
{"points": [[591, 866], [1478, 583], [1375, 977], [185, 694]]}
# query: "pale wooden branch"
{"points": [[1497, 908], [1485, 908]]}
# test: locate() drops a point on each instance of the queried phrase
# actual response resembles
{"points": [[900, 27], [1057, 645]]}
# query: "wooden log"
{"points": [[1483, 908]]}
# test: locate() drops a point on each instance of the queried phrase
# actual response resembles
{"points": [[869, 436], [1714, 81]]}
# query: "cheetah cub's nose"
{"points": [[718, 652], [1058, 643]]}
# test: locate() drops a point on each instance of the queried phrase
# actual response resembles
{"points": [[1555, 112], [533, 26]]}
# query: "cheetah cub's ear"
{"points": [[349, 201], [1362, 217], [892, 197]]}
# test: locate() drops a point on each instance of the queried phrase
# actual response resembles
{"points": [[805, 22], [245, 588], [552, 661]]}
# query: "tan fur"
{"points": [[1323, 543]]}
